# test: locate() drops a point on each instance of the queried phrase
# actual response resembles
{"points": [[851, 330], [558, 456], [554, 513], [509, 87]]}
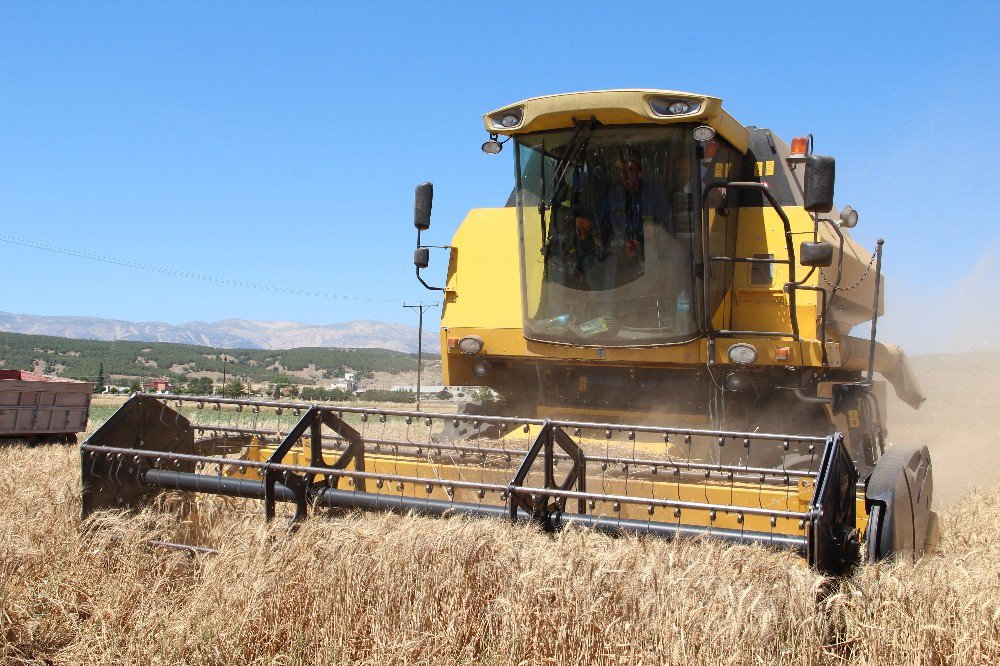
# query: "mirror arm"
{"points": [[840, 259], [419, 277], [427, 286]]}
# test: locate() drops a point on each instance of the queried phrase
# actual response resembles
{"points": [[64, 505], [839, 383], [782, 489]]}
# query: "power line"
{"points": [[194, 276]]}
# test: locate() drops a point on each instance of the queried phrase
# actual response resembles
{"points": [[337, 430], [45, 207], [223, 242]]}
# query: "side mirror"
{"points": [[422, 206], [421, 257], [820, 174], [422, 221], [817, 255]]}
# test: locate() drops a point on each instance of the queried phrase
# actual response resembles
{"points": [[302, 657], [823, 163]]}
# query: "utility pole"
{"points": [[421, 308]]}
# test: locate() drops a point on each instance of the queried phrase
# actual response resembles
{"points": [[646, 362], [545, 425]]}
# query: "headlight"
{"points": [[507, 119], [673, 107], [470, 344], [742, 353], [736, 381]]}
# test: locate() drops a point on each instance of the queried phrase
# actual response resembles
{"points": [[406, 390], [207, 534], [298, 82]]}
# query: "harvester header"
{"points": [[549, 472]]}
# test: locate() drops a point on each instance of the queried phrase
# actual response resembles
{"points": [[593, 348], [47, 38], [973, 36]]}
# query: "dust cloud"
{"points": [[959, 423]]}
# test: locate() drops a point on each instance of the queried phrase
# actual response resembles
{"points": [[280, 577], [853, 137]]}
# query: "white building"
{"points": [[346, 383]]}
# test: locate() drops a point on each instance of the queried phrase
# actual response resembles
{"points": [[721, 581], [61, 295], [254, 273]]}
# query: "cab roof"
{"points": [[618, 107]]}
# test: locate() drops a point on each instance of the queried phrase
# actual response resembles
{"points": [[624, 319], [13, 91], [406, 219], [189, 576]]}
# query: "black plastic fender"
{"points": [[898, 500]]}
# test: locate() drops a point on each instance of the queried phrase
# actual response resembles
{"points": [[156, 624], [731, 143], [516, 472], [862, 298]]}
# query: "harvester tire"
{"points": [[898, 500]]}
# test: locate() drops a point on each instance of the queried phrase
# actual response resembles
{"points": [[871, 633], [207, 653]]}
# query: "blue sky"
{"points": [[280, 143]]}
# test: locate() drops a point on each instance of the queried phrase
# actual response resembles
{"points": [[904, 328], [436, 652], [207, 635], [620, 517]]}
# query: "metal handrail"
{"points": [[707, 262]]}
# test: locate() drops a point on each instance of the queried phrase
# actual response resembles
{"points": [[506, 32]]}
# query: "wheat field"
{"points": [[379, 589]]}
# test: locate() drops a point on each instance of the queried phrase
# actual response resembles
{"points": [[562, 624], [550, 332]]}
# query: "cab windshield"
{"points": [[608, 218]]}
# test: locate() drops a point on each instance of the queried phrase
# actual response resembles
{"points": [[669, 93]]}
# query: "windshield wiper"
{"points": [[576, 143]]}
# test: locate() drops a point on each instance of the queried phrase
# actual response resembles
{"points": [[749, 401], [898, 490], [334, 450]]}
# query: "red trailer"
{"points": [[42, 408]]}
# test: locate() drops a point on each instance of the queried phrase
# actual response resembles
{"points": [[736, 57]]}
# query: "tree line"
{"points": [[83, 359]]}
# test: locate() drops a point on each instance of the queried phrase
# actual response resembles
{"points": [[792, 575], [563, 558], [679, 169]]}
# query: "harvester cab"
{"points": [[665, 306]]}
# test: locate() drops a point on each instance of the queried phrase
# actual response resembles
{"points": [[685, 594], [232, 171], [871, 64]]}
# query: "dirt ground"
{"points": [[959, 422]]}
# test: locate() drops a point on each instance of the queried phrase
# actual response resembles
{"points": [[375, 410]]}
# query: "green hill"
{"points": [[82, 359]]}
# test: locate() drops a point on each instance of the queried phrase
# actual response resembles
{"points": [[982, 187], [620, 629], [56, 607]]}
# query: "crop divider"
{"points": [[534, 501]]}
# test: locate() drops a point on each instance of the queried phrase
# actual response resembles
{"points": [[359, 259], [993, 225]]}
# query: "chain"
{"points": [[856, 282]]}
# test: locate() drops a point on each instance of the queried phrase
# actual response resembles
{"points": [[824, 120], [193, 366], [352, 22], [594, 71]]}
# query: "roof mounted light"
{"points": [[507, 119], [703, 133], [800, 149], [848, 217], [667, 107], [492, 147]]}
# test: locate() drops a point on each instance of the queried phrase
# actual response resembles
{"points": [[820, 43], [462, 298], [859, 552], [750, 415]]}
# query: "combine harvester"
{"points": [[656, 263]]}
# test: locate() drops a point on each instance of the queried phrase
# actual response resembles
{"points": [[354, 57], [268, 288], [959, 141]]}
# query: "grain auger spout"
{"points": [[303, 460]]}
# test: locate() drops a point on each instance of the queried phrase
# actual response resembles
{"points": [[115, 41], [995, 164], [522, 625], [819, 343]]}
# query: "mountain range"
{"points": [[228, 333]]}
